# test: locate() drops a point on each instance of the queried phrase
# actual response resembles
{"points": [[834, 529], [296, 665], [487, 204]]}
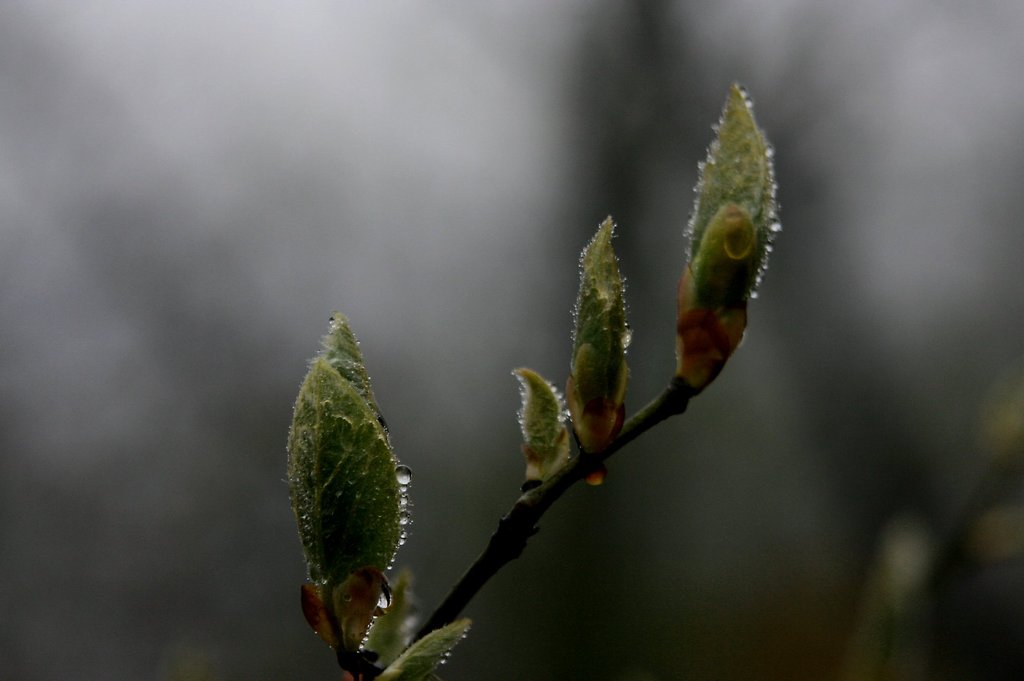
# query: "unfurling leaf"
{"points": [[341, 350], [420, 660], [542, 420], [393, 630], [739, 171], [731, 231], [344, 492], [597, 384]]}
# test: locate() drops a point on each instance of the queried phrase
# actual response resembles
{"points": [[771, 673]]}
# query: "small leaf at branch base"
{"points": [[424, 656], [542, 421]]}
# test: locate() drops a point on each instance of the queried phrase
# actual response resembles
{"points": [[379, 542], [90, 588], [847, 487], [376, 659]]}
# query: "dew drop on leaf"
{"points": [[404, 474]]}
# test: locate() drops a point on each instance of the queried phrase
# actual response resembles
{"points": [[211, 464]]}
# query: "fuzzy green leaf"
{"points": [[597, 384], [600, 318], [392, 631], [542, 421], [735, 207], [341, 475], [341, 350], [424, 656]]}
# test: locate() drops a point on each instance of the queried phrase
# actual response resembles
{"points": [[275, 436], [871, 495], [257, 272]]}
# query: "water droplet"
{"points": [[627, 337], [404, 474], [404, 518], [384, 600], [769, 152], [775, 227]]}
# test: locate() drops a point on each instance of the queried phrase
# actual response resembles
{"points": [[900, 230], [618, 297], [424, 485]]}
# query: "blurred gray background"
{"points": [[188, 189]]}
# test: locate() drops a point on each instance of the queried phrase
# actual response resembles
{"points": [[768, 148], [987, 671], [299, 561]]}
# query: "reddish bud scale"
{"points": [[344, 619], [317, 615], [705, 337], [597, 422], [356, 603]]}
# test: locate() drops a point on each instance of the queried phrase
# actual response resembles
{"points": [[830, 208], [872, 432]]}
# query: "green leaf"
{"points": [[542, 421], [341, 475], [341, 350], [735, 216], [345, 491], [424, 656], [597, 384], [392, 631]]}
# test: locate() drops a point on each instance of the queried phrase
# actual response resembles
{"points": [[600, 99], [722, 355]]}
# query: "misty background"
{"points": [[189, 189]]}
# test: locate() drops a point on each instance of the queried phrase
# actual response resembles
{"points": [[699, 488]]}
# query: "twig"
{"points": [[520, 523]]}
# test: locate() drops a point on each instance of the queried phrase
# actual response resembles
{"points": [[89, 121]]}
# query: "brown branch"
{"points": [[520, 523]]}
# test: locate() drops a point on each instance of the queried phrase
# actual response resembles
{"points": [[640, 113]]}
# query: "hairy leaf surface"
{"points": [[341, 475]]}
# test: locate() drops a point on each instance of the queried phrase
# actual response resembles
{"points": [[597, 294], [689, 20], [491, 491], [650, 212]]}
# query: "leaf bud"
{"points": [[345, 492], [731, 232], [596, 387], [542, 420]]}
